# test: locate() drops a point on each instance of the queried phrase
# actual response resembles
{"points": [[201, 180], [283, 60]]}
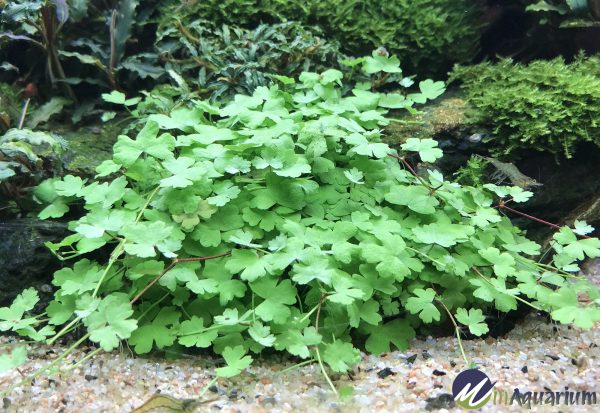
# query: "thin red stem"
{"points": [[170, 267], [550, 224], [412, 171]]}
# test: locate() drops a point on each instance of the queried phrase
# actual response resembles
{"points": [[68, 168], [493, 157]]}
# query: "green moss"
{"points": [[442, 116], [545, 106], [88, 147], [428, 35]]}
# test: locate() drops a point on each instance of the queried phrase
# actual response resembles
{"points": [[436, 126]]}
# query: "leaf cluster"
{"points": [[233, 60], [428, 35], [277, 221], [544, 106], [26, 158], [566, 13], [83, 51]]}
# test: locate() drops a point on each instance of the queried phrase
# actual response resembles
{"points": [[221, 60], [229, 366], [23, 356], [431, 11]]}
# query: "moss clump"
{"points": [[428, 35], [545, 105]]}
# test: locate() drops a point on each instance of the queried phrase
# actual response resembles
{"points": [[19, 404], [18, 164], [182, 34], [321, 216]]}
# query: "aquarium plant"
{"points": [[547, 106]]}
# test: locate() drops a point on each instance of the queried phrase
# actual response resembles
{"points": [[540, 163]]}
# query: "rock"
{"points": [[570, 191], [443, 401], [24, 259], [588, 211], [383, 373], [411, 359], [88, 147], [444, 120], [444, 117]]}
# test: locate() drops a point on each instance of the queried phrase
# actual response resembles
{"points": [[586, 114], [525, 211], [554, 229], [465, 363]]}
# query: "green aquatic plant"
{"points": [[232, 60], [544, 106], [81, 50], [281, 222], [566, 13], [27, 158], [428, 35], [472, 173]]}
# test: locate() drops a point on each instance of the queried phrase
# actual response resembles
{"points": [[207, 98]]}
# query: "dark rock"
{"points": [[24, 259], [444, 120], [425, 355], [437, 372], [443, 401], [88, 148], [217, 389], [411, 359], [269, 400], [524, 369], [570, 191], [383, 373], [89, 377], [555, 358]]}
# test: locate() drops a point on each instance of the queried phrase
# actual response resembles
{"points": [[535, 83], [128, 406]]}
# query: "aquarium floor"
{"points": [[533, 356]]}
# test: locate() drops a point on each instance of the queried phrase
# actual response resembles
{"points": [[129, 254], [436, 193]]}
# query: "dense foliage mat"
{"points": [[227, 60], [280, 221], [428, 35], [129, 45], [544, 106]]}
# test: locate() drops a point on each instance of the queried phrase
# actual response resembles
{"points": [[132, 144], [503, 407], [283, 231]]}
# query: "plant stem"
{"points": [[121, 245], [516, 297], [42, 370], [412, 171], [63, 331], [315, 308], [425, 255], [208, 386], [550, 224], [296, 366], [154, 304], [170, 267], [24, 113], [83, 360], [456, 329], [317, 347]]}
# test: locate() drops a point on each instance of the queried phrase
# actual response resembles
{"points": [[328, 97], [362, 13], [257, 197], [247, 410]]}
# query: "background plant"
{"points": [[566, 13], [97, 41], [227, 60], [27, 158], [280, 221], [544, 106], [428, 35]]}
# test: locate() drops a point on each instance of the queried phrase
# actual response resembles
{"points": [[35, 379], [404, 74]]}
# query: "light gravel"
{"points": [[533, 356]]}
